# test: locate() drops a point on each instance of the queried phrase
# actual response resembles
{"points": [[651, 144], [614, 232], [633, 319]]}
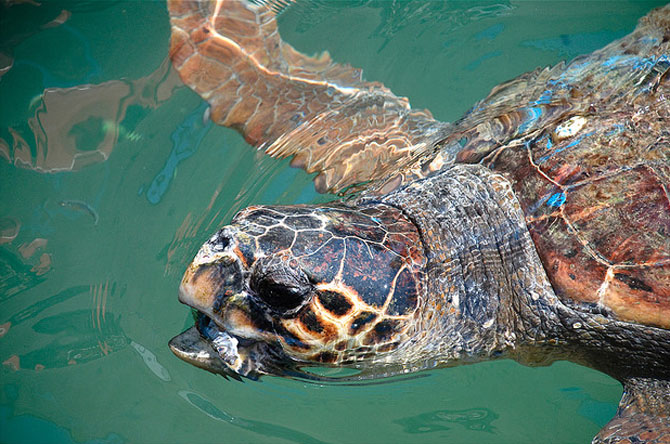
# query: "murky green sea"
{"points": [[110, 181]]}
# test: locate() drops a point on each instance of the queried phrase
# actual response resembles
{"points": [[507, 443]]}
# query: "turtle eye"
{"points": [[278, 286], [280, 297]]}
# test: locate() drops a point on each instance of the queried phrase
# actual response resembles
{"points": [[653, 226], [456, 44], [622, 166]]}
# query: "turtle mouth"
{"points": [[207, 346]]}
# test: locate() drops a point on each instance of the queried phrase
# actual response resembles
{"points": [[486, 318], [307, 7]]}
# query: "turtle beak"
{"points": [[190, 346], [195, 289]]}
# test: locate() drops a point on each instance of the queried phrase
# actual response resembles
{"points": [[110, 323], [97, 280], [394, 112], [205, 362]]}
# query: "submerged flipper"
{"points": [[288, 104], [643, 415]]}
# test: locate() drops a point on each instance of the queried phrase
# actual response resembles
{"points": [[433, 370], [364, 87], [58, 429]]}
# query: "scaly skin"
{"points": [[642, 415]]}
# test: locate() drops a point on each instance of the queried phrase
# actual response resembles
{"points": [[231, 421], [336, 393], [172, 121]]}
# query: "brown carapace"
{"points": [[587, 149]]}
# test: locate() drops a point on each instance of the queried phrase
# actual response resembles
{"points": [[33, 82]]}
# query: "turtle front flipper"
{"points": [[643, 415], [350, 131]]}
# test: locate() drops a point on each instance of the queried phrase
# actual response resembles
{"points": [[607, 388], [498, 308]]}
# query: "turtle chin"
{"points": [[207, 346]]}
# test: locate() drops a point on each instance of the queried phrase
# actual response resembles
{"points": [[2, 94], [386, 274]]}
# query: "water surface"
{"points": [[110, 181]]}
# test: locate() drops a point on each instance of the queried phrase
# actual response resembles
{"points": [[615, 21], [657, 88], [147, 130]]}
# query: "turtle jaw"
{"points": [[191, 347], [206, 346]]}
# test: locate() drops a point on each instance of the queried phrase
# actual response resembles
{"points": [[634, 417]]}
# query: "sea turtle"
{"points": [[536, 227]]}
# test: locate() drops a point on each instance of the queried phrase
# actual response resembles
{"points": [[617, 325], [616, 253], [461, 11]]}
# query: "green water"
{"points": [[110, 181]]}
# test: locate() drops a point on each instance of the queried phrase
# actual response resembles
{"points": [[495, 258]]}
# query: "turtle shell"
{"points": [[589, 160], [598, 211]]}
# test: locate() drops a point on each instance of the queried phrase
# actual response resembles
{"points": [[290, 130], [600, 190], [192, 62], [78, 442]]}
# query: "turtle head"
{"points": [[286, 287]]}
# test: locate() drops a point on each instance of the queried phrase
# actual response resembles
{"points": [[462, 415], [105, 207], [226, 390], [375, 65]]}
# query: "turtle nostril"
{"points": [[221, 240]]}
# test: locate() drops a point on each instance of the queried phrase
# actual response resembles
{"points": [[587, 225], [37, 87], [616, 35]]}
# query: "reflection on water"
{"points": [[9, 229], [30, 428], [479, 419], [396, 16], [573, 45], [70, 337], [186, 139], [151, 362], [597, 411], [82, 207], [35, 309], [79, 126], [260, 427], [17, 274], [20, 23]]}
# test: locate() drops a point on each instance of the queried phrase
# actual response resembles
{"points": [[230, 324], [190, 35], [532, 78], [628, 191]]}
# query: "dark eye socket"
{"points": [[281, 287], [281, 297]]}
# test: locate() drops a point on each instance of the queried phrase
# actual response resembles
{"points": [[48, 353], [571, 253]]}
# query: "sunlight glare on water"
{"points": [[111, 180]]}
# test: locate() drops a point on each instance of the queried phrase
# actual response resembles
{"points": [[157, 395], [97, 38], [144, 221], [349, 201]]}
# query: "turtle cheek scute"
{"points": [[383, 332], [360, 322], [317, 328], [290, 340], [311, 322]]}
